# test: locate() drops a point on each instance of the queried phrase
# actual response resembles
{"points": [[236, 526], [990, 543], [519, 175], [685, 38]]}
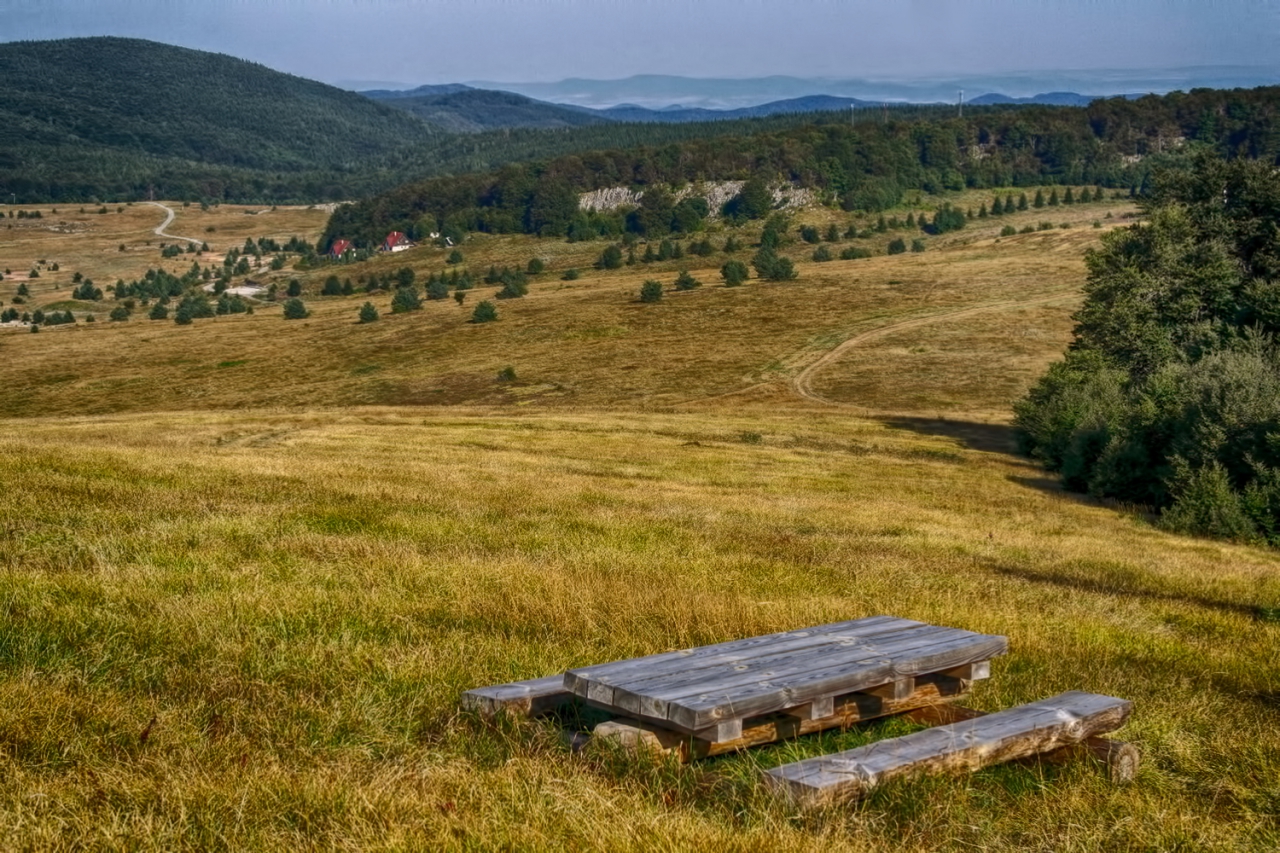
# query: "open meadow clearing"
{"points": [[249, 564]]}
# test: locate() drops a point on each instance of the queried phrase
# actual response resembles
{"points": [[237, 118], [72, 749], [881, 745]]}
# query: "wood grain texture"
{"points": [[1120, 758], [530, 698], [696, 689], [965, 745], [757, 731]]}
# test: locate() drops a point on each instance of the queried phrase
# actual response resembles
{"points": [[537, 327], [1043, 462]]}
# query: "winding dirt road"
{"points": [[171, 214], [802, 382]]}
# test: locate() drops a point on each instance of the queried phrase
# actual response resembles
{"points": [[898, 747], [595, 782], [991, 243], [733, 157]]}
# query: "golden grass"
{"points": [[209, 527]]}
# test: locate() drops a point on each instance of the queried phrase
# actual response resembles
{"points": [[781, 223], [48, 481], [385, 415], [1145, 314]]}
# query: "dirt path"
{"points": [[168, 220], [802, 382]]}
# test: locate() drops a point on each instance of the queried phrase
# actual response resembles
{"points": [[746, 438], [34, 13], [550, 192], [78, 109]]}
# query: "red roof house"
{"points": [[340, 248], [396, 242]]}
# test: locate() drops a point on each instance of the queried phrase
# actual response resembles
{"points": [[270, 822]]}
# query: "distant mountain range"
{"points": [[462, 109]]}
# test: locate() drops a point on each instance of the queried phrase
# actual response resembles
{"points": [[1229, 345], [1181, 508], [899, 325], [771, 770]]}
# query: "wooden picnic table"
{"points": [[710, 700]]}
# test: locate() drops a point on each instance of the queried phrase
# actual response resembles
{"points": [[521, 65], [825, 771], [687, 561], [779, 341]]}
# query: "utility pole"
{"points": [[960, 105]]}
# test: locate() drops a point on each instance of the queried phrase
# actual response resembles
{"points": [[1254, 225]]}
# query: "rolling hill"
{"points": [[467, 110], [141, 97]]}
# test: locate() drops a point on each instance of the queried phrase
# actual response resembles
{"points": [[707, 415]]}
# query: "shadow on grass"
{"points": [[992, 438], [1125, 584]]}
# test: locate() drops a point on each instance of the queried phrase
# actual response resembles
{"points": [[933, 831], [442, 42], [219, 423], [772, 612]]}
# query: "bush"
{"points": [[684, 281], [455, 257], [485, 312], [295, 309], [853, 253], [1008, 231], [158, 312], [118, 314], [368, 313], [734, 273], [810, 234], [773, 267], [917, 245], [405, 299], [611, 258], [570, 274], [822, 253], [897, 247], [535, 266], [651, 291], [332, 287]]}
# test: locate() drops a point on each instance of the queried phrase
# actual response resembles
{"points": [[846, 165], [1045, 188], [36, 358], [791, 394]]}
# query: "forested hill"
{"points": [[474, 110], [864, 166], [141, 96]]}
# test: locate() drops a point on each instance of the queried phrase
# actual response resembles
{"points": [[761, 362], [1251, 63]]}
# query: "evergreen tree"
{"points": [[1053, 198], [734, 273], [1022, 201], [368, 313], [684, 281], [405, 299], [897, 246], [1068, 198], [610, 259], [1039, 202], [485, 312], [295, 309], [651, 291]]}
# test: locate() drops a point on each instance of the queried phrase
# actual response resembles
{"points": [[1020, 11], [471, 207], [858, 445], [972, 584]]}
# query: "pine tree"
{"points": [[1039, 202], [982, 211], [368, 313], [1068, 198], [1053, 198]]}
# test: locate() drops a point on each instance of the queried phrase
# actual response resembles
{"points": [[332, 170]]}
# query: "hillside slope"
{"points": [[144, 97], [475, 110]]}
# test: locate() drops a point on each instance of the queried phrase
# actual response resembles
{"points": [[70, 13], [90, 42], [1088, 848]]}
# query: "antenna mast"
{"points": [[960, 105]]}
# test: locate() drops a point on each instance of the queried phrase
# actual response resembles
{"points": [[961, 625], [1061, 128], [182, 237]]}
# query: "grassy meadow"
{"points": [[250, 564]]}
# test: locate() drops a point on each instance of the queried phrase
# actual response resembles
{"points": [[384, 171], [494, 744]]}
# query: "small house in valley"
{"points": [[396, 242], [340, 248]]}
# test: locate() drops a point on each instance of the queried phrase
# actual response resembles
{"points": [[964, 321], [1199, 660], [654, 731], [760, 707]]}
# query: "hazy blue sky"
{"points": [[455, 40]]}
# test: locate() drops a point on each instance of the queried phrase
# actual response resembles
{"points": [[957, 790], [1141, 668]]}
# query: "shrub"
{"points": [[294, 289], [897, 247], [437, 288], [810, 234], [158, 312], [611, 258], [485, 312], [773, 267], [853, 253], [455, 257], [368, 313], [507, 374], [734, 273], [570, 274], [822, 253], [332, 287], [1008, 231], [535, 266], [405, 299], [684, 281], [917, 245], [118, 314], [295, 309], [651, 291]]}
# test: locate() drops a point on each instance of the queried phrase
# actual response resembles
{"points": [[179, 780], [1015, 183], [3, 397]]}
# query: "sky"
{"points": [[441, 41]]}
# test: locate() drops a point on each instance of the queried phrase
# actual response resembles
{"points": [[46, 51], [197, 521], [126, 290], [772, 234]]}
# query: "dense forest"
{"points": [[1169, 397], [863, 166]]}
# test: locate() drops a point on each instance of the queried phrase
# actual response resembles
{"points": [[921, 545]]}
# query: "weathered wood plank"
{"points": [[772, 694], [652, 698], [965, 745], [846, 711], [530, 698], [578, 679], [1121, 759]]}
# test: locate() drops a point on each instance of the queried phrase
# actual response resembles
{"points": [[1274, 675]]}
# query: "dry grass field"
{"points": [[249, 564]]}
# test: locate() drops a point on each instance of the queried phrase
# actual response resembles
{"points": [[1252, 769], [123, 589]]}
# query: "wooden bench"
{"points": [[965, 745]]}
